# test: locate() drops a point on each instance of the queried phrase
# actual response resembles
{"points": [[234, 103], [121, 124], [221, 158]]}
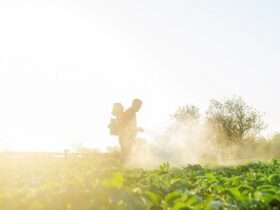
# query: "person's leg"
{"points": [[124, 147], [127, 142], [130, 143]]}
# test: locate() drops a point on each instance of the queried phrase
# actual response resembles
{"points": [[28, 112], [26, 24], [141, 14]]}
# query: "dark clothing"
{"points": [[124, 125], [128, 132], [129, 119]]}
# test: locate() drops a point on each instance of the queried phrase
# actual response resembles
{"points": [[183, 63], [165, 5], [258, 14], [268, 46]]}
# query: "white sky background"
{"points": [[63, 64]]}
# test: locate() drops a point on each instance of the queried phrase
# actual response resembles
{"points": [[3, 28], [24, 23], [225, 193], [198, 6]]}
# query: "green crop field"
{"points": [[86, 183]]}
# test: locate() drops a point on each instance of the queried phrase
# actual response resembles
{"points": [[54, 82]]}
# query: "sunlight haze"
{"points": [[64, 63]]}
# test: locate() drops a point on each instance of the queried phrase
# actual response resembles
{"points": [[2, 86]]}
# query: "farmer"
{"points": [[124, 125]]}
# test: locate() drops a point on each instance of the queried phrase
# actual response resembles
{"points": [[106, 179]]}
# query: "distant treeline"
{"points": [[234, 127]]}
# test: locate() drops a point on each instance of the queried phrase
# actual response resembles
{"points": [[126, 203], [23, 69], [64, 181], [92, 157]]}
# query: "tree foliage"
{"points": [[186, 113], [234, 118]]}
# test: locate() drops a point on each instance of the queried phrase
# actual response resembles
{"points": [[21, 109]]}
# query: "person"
{"points": [[124, 125]]}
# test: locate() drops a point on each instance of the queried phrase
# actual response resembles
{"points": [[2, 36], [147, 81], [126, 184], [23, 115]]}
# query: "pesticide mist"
{"points": [[182, 143], [228, 134]]}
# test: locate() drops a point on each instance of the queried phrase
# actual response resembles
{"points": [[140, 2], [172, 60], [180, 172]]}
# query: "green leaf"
{"points": [[116, 181], [171, 197], [181, 206], [153, 198], [236, 194], [211, 177]]}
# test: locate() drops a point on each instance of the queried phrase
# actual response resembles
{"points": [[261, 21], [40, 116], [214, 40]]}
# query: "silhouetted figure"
{"points": [[124, 125]]}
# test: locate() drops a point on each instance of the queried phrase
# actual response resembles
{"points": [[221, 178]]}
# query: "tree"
{"points": [[234, 118], [186, 113]]}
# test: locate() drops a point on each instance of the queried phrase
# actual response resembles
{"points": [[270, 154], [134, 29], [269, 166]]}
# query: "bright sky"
{"points": [[63, 63]]}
